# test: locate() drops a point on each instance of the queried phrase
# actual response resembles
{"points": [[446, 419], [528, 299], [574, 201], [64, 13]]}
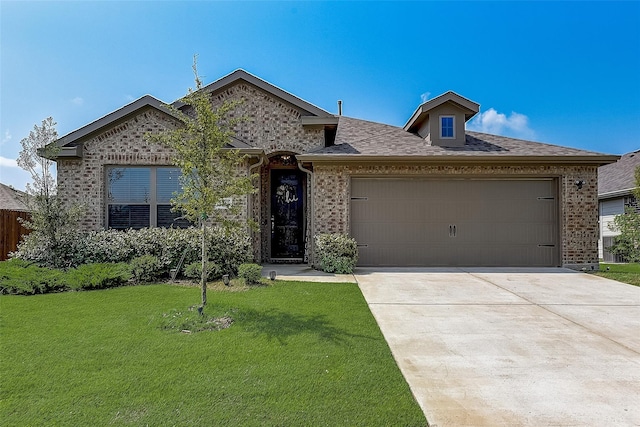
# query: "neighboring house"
{"points": [[12, 207], [426, 194], [616, 182]]}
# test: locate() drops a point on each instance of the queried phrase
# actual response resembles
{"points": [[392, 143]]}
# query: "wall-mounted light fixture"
{"points": [[579, 183]]}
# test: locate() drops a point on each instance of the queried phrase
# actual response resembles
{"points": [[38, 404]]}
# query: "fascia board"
{"points": [[514, 160], [317, 121], [241, 74], [617, 193], [115, 116]]}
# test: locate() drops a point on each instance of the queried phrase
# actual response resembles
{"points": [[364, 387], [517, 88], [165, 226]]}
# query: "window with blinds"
{"points": [[139, 197]]}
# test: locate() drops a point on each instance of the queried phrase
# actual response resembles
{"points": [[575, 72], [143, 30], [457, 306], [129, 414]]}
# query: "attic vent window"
{"points": [[447, 127]]}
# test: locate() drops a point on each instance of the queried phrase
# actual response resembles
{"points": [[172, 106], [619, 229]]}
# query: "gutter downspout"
{"points": [[311, 210], [250, 198]]}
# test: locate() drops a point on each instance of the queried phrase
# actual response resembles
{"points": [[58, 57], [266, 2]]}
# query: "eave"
{"points": [[459, 160], [617, 193], [319, 121], [71, 144], [242, 75]]}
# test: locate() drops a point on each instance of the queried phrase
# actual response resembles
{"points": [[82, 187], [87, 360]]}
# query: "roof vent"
{"points": [[339, 107]]}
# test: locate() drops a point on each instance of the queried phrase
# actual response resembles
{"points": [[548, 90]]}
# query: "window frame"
{"points": [[453, 126], [152, 201]]}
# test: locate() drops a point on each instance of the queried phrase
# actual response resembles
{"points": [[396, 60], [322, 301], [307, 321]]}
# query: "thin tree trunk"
{"points": [[203, 276]]}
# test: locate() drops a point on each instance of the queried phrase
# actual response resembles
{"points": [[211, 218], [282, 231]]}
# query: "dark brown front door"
{"points": [[287, 214]]}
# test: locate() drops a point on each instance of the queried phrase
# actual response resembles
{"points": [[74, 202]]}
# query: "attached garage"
{"points": [[456, 222]]}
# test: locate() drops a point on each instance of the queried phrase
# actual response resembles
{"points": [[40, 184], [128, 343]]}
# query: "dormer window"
{"points": [[447, 127]]}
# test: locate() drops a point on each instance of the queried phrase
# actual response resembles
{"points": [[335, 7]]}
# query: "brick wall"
{"points": [[578, 207], [268, 123], [83, 180]]}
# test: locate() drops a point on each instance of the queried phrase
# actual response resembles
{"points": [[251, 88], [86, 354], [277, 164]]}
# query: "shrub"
{"points": [[19, 277], [337, 253], [193, 271], [98, 276], [251, 273], [227, 248], [145, 269]]}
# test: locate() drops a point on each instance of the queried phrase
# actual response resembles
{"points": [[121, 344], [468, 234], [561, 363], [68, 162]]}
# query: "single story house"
{"points": [[616, 182], [425, 194]]}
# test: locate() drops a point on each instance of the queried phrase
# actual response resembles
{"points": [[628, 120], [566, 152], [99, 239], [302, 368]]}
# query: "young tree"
{"points": [[627, 243], [212, 175], [51, 221]]}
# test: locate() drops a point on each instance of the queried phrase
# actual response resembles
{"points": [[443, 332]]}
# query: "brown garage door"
{"points": [[455, 222]]}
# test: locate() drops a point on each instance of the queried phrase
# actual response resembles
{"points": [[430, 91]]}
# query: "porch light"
{"points": [[579, 183]]}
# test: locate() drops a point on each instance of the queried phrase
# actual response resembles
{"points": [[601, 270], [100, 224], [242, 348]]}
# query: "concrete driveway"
{"points": [[512, 347]]}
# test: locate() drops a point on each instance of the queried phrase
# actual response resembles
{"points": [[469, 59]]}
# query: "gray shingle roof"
{"points": [[363, 138], [12, 199], [618, 178]]}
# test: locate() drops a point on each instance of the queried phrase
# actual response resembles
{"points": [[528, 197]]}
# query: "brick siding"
{"points": [[578, 207]]}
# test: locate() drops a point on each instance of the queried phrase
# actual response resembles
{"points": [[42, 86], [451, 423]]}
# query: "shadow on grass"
{"points": [[280, 325]]}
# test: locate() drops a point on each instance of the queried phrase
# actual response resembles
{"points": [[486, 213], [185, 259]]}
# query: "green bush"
{"points": [[193, 271], [22, 278], [98, 276], [251, 273], [145, 269], [337, 253], [19, 277], [227, 248]]}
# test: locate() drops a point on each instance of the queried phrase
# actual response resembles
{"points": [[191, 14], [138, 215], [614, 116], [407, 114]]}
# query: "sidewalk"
{"points": [[304, 273]]}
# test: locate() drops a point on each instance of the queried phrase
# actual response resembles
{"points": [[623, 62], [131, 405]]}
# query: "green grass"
{"points": [[626, 273], [297, 354]]}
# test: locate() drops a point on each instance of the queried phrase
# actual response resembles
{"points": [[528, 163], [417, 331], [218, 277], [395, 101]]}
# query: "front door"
{"points": [[287, 214]]}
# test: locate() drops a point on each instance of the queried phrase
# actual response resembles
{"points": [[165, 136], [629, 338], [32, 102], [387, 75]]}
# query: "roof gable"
{"points": [[469, 108], [70, 140], [242, 75]]}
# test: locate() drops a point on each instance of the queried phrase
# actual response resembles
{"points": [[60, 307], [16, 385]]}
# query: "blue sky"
{"points": [[565, 73]]}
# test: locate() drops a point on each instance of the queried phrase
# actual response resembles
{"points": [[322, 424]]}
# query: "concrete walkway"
{"points": [[512, 347], [304, 273]]}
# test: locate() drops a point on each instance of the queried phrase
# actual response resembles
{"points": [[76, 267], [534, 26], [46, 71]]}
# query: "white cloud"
{"points": [[77, 101], [9, 163], [129, 98], [425, 96], [490, 121], [6, 138]]}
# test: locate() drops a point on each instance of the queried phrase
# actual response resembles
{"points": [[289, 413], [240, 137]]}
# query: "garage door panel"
{"points": [[459, 222]]}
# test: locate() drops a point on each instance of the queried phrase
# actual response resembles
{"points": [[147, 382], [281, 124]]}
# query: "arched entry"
{"points": [[285, 209]]}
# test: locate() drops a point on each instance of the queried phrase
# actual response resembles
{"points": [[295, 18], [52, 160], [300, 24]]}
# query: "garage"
{"points": [[455, 222]]}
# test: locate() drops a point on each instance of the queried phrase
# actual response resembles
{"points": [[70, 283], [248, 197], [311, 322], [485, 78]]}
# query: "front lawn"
{"points": [[297, 354], [626, 273]]}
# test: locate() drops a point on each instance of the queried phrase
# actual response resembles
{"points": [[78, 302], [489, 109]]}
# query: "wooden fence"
{"points": [[11, 231]]}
